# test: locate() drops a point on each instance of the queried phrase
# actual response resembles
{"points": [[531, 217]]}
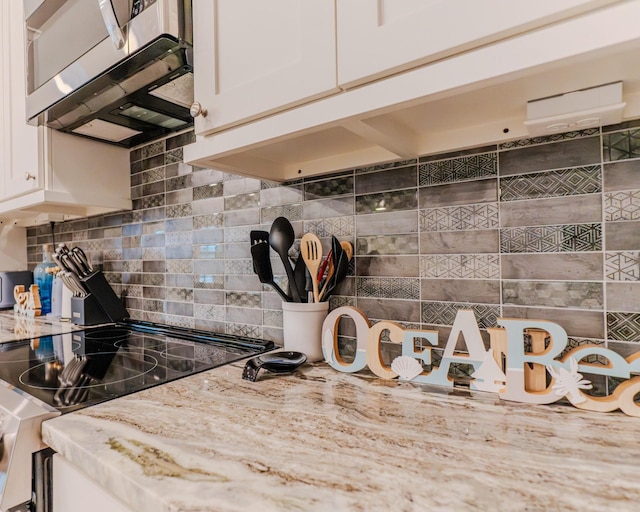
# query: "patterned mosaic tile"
{"points": [[238, 267], [241, 201], [564, 182], [180, 266], [250, 331], [340, 227], [207, 191], [243, 299], [622, 266], [292, 212], [390, 288], [387, 201], [208, 312], [387, 244], [152, 175], [623, 205], [458, 169], [623, 326], [337, 186], [180, 294], [621, 145], [386, 166], [564, 238], [178, 182], [207, 221], [557, 294], [520, 143], [178, 210], [444, 313], [460, 218], [460, 266]]}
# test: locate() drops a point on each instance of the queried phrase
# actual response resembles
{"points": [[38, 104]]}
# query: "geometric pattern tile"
{"points": [[271, 213], [563, 182], [557, 294], [562, 238], [521, 143], [330, 187], [249, 331], [460, 218], [386, 166], [208, 220], [241, 201], [207, 191], [622, 266], [388, 288], [387, 244], [460, 266], [458, 169], [624, 205], [621, 145], [336, 226], [623, 326], [444, 313], [239, 266], [243, 299]]}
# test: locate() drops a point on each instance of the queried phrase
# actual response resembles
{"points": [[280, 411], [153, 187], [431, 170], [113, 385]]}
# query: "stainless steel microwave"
{"points": [[119, 71]]}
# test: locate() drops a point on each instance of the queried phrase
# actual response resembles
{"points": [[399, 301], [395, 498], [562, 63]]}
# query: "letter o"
{"points": [[330, 339]]}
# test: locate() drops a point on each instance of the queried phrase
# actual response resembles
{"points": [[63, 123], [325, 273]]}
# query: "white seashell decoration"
{"points": [[406, 367]]}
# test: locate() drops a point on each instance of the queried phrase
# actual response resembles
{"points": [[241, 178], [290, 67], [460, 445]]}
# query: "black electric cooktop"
{"points": [[82, 368]]}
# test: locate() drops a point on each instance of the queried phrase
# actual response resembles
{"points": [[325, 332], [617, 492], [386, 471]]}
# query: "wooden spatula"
{"points": [[311, 250]]}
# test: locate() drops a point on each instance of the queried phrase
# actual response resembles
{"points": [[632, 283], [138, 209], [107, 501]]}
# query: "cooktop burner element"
{"points": [[82, 368]]}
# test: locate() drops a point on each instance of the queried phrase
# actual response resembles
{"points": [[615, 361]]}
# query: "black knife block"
{"points": [[100, 306], [87, 311]]}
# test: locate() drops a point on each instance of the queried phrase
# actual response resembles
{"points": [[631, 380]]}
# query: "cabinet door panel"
{"points": [[377, 38], [254, 57], [21, 156]]}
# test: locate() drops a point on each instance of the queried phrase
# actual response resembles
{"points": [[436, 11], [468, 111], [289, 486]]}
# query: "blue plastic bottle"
{"points": [[44, 279]]}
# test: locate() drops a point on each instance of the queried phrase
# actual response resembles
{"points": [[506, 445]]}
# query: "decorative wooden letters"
{"points": [[539, 376], [27, 303]]}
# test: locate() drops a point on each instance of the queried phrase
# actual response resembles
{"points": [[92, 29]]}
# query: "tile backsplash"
{"points": [[540, 228]]}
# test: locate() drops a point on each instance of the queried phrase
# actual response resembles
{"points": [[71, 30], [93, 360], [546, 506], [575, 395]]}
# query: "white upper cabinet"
{"points": [[19, 160], [255, 57], [47, 174], [380, 37]]}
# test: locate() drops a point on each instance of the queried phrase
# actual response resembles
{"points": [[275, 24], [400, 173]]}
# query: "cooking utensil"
{"points": [[275, 362], [281, 238], [311, 251], [81, 260], [300, 277], [330, 271], [323, 267], [262, 267], [341, 263], [347, 247]]}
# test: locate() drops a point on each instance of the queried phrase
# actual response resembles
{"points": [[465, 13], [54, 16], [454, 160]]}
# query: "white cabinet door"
{"points": [[21, 157], [74, 491], [380, 37], [254, 57]]}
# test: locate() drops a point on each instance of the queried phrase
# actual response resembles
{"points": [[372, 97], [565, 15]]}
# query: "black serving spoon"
{"points": [[281, 238], [275, 362]]}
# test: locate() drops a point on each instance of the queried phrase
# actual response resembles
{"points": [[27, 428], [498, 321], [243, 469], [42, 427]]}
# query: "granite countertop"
{"points": [[320, 440], [17, 327]]}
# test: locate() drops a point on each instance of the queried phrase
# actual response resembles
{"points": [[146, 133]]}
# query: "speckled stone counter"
{"points": [[17, 327], [319, 440]]}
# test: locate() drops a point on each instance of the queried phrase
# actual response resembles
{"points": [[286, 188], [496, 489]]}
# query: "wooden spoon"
{"points": [[311, 250], [347, 247]]}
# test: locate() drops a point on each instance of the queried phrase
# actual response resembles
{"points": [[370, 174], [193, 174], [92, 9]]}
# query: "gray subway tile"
{"points": [[582, 295], [465, 192], [386, 223], [459, 242], [387, 244], [391, 266], [622, 175], [623, 296], [383, 309], [587, 324], [622, 236], [381, 181], [559, 210], [569, 267], [557, 155], [461, 290], [336, 186], [387, 201]]}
